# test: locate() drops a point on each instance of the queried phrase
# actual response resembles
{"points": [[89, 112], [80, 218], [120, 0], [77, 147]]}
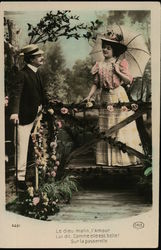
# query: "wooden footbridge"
{"points": [[82, 160]]}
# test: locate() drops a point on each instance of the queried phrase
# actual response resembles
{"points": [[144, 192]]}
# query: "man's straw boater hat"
{"points": [[115, 40], [31, 50]]}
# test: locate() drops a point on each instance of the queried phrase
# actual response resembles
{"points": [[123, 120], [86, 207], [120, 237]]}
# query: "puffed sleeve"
{"points": [[94, 72], [95, 68], [125, 69]]}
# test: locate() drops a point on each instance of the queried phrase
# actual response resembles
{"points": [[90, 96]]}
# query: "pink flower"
{"points": [[6, 101], [55, 168], [38, 162], [57, 163], [53, 173], [110, 108], [36, 200], [64, 110], [53, 144], [59, 123], [48, 174], [134, 106], [53, 157]]}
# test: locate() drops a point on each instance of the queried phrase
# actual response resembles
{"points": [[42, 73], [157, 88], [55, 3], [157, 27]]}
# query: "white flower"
{"points": [[51, 111], [31, 191]]}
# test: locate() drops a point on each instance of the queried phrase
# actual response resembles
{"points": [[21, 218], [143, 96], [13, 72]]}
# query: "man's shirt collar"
{"points": [[32, 67]]}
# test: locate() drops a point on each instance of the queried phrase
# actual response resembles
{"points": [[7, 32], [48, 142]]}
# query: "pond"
{"points": [[104, 202]]}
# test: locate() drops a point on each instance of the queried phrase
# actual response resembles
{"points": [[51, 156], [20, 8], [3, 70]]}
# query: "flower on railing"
{"points": [[53, 173], [134, 106], [59, 123], [55, 168], [64, 110], [53, 157], [57, 163]]}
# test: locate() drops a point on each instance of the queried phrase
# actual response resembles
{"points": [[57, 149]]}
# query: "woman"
{"points": [[109, 75]]}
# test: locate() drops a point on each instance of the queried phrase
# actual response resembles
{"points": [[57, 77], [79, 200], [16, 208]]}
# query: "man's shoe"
{"points": [[22, 185]]}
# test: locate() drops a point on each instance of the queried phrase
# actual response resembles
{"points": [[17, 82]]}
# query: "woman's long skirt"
{"points": [[111, 155]]}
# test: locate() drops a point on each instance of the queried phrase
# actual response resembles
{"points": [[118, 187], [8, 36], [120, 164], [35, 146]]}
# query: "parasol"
{"points": [[137, 53]]}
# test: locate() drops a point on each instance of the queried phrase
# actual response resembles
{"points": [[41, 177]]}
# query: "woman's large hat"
{"points": [[31, 50], [116, 40]]}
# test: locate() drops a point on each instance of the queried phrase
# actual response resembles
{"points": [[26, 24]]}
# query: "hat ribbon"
{"points": [[31, 52]]}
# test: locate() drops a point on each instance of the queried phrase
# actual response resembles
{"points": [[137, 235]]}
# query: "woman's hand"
{"points": [[86, 99], [124, 109], [92, 91]]}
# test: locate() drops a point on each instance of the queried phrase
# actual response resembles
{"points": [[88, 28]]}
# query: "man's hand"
{"points": [[14, 118]]}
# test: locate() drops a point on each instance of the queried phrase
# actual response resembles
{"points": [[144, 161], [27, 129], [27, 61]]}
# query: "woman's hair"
{"points": [[116, 51], [28, 58], [115, 48]]}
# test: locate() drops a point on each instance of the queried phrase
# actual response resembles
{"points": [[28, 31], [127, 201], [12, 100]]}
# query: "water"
{"points": [[100, 203]]}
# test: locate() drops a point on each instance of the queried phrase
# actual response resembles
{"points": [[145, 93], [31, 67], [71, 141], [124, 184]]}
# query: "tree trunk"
{"points": [[11, 54]]}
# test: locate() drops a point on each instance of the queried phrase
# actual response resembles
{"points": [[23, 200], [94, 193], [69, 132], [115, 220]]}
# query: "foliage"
{"points": [[148, 171], [64, 84], [44, 202], [139, 20], [79, 80], [53, 73], [55, 25], [61, 190]]}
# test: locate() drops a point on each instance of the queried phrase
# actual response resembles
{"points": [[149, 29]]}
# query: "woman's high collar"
{"points": [[110, 60]]}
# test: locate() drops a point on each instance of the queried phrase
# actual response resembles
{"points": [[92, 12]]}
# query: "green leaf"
{"points": [[29, 26], [148, 171]]}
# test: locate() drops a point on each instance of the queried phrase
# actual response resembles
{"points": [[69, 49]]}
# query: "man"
{"points": [[26, 100]]}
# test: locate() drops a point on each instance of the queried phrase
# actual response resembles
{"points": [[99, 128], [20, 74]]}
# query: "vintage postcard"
{"points": [[80, 124]]}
